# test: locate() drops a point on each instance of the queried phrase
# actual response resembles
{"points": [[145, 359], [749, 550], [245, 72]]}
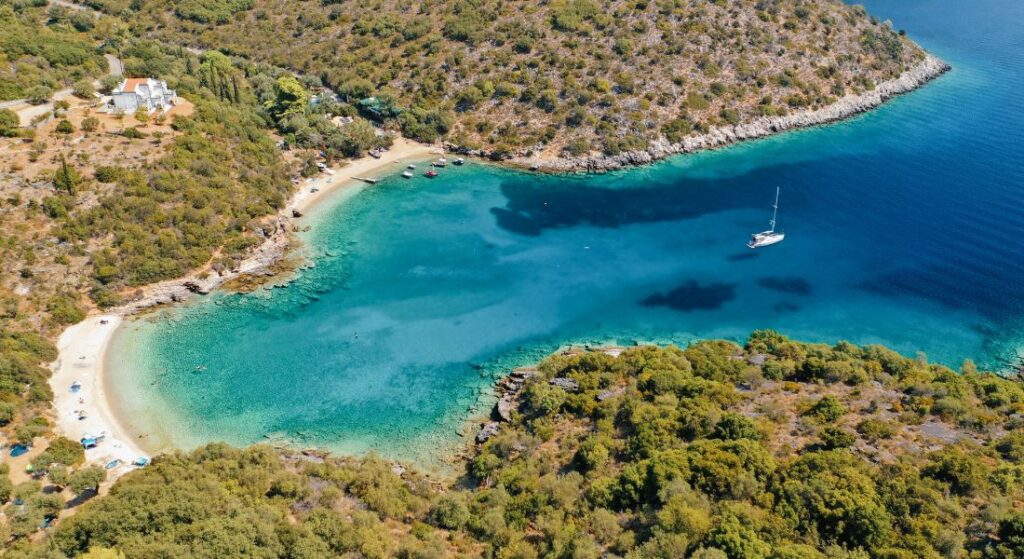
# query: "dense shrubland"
{"points": [[24, 390], [208, 196], [42, 51], [565, 76], [773, 450], [203, 201]]}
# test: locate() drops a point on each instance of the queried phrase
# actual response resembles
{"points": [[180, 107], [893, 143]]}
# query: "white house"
{"points": [[146, 93]]}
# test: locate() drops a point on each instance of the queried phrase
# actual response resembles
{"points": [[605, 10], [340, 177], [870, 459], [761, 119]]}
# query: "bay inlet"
{"points": [[902, 226]]}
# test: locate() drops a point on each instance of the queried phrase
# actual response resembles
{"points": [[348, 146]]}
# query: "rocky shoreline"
{"points": [[276, 244], [850, 105], [509, 389]]}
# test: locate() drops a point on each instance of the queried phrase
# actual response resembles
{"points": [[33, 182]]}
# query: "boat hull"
{"points": [[766, 238]]}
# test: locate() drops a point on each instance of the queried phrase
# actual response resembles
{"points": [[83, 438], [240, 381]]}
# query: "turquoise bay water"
{"points": [[904, 227]]}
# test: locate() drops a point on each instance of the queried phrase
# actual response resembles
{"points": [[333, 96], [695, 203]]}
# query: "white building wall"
{"points": [[127, 102]]}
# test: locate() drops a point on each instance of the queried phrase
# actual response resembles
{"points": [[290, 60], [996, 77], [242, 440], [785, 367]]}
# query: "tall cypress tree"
{"points": [[66, 178]]}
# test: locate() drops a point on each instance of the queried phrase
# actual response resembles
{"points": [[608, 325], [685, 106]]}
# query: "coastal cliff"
{"points": [[851, 105]]}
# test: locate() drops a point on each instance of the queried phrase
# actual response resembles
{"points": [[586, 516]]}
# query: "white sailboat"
{"points": [[769, 237]]}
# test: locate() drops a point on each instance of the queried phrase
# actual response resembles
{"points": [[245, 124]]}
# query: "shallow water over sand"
{"points": [[904, 227]]}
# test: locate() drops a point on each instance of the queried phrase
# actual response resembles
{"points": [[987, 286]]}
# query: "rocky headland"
{"points": [[848, 106]]}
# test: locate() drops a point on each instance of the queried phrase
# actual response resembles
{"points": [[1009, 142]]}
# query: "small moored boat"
{"points": [[458, 161], [430, 174], [441, 162], [769, 237], [410, 166], [407, 174]]}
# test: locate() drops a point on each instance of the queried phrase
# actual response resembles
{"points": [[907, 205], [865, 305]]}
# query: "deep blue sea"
{"points": [[904, 226]]}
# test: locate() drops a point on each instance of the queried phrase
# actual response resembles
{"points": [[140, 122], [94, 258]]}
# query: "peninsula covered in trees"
{"points": [[565, 79]]}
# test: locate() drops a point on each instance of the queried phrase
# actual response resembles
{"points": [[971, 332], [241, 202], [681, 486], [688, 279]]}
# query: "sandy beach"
{"points": [[82, 346], [81, 357], [401, 152]]}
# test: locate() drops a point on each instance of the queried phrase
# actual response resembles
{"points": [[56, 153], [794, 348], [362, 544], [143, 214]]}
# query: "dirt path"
{"points": [[71, 5]]}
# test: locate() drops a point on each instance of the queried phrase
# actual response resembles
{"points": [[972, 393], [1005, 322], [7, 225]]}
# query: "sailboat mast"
{"points": [[775, 209]]}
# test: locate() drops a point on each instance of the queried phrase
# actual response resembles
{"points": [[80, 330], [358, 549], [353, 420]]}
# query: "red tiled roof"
{"points": [[131, 83]]}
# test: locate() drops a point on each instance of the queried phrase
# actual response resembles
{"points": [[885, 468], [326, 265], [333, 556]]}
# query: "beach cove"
{"points": [[425, 291], [88, 410]]}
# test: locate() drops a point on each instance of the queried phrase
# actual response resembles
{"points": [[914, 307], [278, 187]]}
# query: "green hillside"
{"points": [[775, 450], [562, 77]]}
